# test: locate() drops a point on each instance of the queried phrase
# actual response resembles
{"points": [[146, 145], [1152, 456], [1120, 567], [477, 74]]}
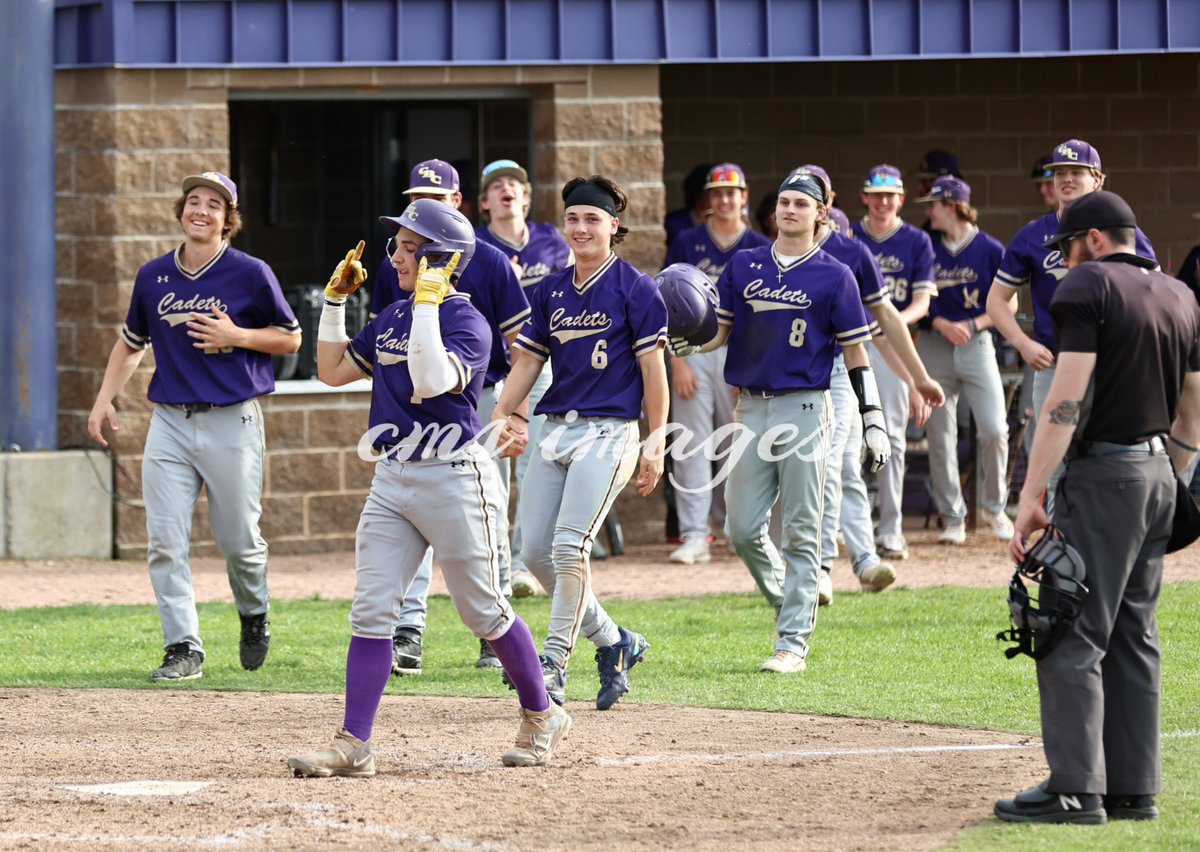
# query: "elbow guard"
{"points": [[862, 379]]}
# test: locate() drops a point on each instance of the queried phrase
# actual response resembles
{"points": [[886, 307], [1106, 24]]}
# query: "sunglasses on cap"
{"points": [[727, 176], [885, 179]]}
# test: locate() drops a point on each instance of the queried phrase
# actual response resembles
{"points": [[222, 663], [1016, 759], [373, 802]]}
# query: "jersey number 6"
{"points": [[599, 355]]}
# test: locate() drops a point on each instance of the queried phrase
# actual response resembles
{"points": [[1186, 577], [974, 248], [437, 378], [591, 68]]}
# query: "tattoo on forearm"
{"points": [[1066, 412]]}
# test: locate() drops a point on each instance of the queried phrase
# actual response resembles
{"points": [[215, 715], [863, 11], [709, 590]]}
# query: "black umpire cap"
{"points": [[1099, 210]]}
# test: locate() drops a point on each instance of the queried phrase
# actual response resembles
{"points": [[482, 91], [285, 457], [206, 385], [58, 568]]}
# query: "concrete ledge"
{"points": [[55, 505]]}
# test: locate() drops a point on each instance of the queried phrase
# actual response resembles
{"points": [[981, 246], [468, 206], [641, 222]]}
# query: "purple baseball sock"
{"points": [[368, 667], [518, 654]]}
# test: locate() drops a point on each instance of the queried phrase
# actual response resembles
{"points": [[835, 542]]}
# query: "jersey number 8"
{"points": [[796, 338]]}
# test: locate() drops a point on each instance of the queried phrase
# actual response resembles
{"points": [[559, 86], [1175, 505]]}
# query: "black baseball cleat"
{"points": [[1036, 805], [179, 663], [487, 656], [255, 642], [406, 653], [1130, 807], [614, 663], [555, 678]]}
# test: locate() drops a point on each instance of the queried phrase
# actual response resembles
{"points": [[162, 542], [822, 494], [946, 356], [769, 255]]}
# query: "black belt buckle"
{"points": [[191, 408]]}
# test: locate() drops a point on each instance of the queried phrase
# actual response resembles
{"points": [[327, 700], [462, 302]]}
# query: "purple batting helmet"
{"points": [[447, 230], [691, 300]]}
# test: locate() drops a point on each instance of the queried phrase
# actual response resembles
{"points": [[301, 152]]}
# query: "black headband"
{"points": [[593, 196], [807, 183]]}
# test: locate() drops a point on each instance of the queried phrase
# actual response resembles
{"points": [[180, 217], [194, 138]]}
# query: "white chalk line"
{"points": [[763, 757]]}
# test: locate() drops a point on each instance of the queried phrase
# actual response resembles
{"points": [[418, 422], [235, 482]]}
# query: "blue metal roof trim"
{"points": [[325, 33]]}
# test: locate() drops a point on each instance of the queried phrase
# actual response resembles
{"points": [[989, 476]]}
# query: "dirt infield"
{"points": [[637, 777]]}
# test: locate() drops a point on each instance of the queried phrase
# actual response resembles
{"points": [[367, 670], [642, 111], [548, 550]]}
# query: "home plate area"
{"points": [[109, 769]]}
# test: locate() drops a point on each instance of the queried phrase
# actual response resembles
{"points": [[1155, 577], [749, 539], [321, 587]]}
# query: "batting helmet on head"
{"points": [[691, 303], [1043, 615], [447, 230]]}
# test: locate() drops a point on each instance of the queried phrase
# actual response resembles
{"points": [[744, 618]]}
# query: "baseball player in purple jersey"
{"points": [[214, 316], [496, 293], [905, 257], [604, 325], [701, 401], [1027, 262], [960, 354], [784, 310], [845, 495], [536, 249], [434, 483]]}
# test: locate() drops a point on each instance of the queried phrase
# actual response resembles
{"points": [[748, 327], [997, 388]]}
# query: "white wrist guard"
{"points": [[332, 327]]}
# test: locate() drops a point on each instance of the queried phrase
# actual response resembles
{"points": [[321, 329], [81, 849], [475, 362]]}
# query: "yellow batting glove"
{"points": [[433, 284], [348, 276]]}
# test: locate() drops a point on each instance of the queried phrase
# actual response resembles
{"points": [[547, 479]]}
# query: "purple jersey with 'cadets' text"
{"points": [[594, 332], [545, 250], [1028, 262], [857, 256], [165, 296], [964, 275], [904, 256], [812, 305], [492, 284], [401, 419], [700, 247]]}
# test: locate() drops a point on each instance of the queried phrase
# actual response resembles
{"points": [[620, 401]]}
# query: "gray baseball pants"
{"points": [[970, 371], [1100, 686], [893, 396], [574, 477], [788, 467], [537, 422], [221, 449], [710, 408]]}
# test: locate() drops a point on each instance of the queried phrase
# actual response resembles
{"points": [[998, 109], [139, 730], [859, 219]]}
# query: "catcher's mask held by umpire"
{"points": [[1057, 573], [447, 230], [691, 300]]}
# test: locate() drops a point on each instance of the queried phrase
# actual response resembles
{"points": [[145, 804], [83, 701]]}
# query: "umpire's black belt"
{"points": [[1094, 449]]}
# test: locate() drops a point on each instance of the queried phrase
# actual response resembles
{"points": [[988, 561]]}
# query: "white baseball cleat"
{"points": [[347, 756], [524, 585], [538, 736], [692, 552], [784, 662], [824, 588], [954, 533], [877, 577], [1002, 527]]}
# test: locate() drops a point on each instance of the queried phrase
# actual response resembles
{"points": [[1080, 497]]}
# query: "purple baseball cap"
{"points": [[820, 174], [433, 177], [222, 183], [937, 162], [884, 178], [840, 221], [725, 174], [949, 188], [1075, 152]]}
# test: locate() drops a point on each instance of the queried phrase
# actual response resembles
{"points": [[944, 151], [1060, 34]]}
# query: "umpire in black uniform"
{"points": [[1126, 393]]}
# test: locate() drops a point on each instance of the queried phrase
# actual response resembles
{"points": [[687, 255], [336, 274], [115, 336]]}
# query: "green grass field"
{"points": [[913, 655]]}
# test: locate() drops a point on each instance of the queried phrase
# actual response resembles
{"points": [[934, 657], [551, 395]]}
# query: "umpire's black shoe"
{"points": [[179, 663], [1130, 807], [1036, 805], [256, 640], [406, 653]]}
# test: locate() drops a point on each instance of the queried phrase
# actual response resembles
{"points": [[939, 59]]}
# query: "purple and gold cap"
{"points": [[432, 177], [884, 178], [222, 183], [840, 221], [1075, 152], [725, 174], [820, 174], [937, 163], [949, 188]]}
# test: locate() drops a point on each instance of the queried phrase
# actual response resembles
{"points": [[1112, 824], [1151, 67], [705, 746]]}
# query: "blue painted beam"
{"points": [[324, 33]]}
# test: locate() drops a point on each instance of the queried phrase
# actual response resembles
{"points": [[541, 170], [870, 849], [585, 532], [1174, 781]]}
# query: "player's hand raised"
{"points": [[433, 283], [348, 276]]}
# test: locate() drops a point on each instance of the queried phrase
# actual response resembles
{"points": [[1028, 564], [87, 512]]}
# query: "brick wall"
{"points": [[124, 140], [1141, 112]]}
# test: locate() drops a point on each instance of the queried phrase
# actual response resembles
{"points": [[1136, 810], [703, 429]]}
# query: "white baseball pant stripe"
{"points": [[451, 505], [221, 449], [847, 504], [574, 478], [794, 474], [893, 396], [710, 408], [969, 370]]}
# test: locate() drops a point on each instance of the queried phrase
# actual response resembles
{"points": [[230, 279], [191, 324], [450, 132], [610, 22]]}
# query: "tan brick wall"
{"points": [[124, 140], [1141, 112]]}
